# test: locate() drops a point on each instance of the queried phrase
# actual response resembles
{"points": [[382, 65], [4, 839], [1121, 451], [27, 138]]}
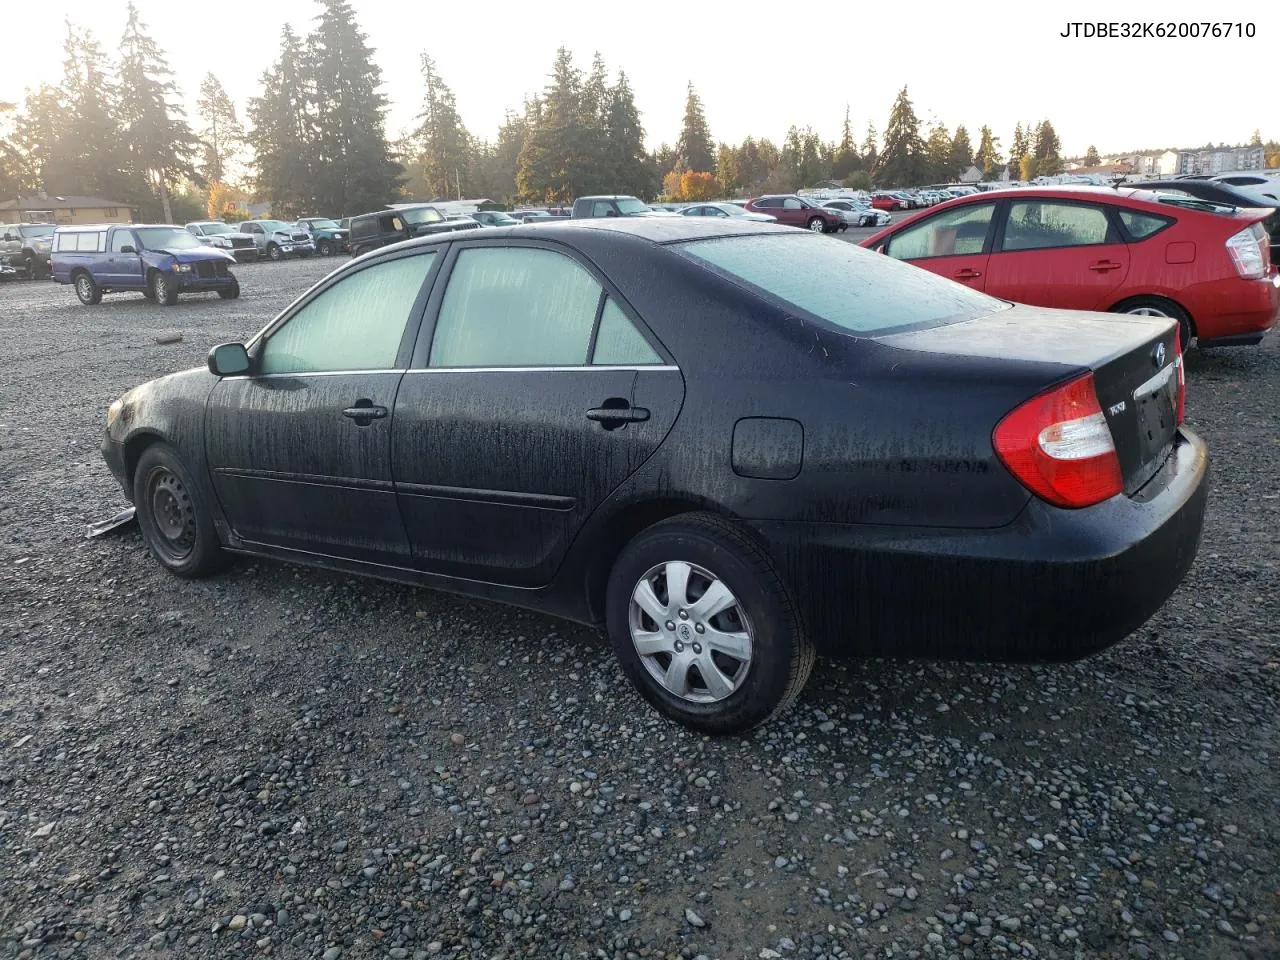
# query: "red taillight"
{"points": [[1182, 376], [1059, 446]]}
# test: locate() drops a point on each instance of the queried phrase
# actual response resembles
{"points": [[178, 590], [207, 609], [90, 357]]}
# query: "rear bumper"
{"points": [[1053, 585], [1227, 312]]}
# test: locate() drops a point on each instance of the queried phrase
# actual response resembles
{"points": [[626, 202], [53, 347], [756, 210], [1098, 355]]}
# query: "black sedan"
{"points": [[733, 445]]}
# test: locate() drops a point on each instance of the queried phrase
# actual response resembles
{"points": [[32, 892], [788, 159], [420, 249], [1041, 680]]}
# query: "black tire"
{"points": [[175, 522], [274, 252], [163, 290], [780, 654], [146, 292], [231, 292], [324, 248], [34, 270], [1158, 306], [87, 288]]}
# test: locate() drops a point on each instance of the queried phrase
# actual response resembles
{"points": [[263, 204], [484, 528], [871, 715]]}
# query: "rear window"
{"points": [[840, 283]]}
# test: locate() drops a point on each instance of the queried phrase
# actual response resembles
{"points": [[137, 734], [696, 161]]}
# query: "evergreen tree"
{"points": [[961, 151], [987, 157], [845, 159], [1091, 158], [502, 160], [727, 174], [937, 151], [1046, 150], [38, 136], [870, 150], [159, 144], [902, 160], [13, 164], [695, 149], [284, 135], [444, 146], [552, 166], [352, 164], [1256, 139], [624, 139], [221, 134], [1020, 148]]}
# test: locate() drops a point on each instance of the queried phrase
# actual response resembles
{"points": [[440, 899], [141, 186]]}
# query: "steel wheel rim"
{"points": [[1148, 312], [690, 631], [84, 287], [172, 514]]}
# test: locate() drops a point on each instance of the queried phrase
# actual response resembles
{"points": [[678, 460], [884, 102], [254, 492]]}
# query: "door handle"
{"points": [[968, 274], [366, 411], [1102, 266], [618, 415]]}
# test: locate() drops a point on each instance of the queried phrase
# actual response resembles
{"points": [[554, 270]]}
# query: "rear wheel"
{"points": [[87, 289], [1159, 307], [174, 520], [163, 289], [704, 627], [816, 225]]}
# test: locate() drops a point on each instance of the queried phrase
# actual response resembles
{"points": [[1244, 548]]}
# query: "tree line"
{"points": [[314, 140]]}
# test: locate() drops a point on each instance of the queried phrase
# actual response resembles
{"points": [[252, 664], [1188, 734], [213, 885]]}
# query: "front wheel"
{"points": [[87, 289], [274, 252], [816, 225], [174, 520], [164, 290], [231, 292], [704, 627], [324, 248]]}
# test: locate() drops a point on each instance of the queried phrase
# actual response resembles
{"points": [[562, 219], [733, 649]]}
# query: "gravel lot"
{"points": [[287, 762]]}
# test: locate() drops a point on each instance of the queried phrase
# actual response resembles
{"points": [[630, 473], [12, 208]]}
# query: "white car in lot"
{"points": [[854, 214]]}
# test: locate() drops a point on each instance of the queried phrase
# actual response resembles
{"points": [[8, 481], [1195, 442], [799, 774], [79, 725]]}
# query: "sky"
{"points": [[964, 64]]}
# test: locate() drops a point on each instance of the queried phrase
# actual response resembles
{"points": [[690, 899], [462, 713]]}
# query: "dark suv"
{"points": [[26, 246], [797, 212], [369, 231]]}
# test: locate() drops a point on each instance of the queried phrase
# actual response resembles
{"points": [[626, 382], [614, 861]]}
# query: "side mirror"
{"points": [[228, 360], [127, 248]]}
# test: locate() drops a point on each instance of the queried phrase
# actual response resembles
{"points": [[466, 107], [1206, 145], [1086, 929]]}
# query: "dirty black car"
{"points": [[732, 445]]}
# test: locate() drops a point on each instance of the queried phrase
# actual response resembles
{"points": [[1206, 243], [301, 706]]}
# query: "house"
{"points": [[64, 210], [972, 175]]}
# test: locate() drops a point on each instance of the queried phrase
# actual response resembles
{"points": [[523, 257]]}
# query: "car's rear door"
{"points": [[952, 243], [533, 395], [1058, 253], [300, 449]]}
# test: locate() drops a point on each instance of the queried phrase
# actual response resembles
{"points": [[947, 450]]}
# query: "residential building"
{"points": [[64, 210], [1211, 161], [972, 175]]}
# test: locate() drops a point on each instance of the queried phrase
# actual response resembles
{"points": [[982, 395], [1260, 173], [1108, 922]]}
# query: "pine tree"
{"points": [[1091, 158], [870, 150], [38, 135], [352, 164], [1256, 139], [159, 144], [284, 134], [1046, 150], [444, 146], [961, 151], [987, 157], [221, 134], [695, 149], [1017, 150], [902, 160], [937, 150], [624, 138], [552, 167], [845, 159]]}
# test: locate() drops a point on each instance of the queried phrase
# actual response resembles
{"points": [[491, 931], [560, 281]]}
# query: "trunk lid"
{"points": [[1133, 360]]}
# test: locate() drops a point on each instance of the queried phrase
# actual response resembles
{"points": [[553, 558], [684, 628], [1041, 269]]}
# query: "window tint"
{"points": [[953, 233], [356, 324], [619, 342], [1037, 224], [769, 202], [391, 224], [601, 208], [1142, 225], [840, 283], [515, 307], [362, 227], [121, 239]]}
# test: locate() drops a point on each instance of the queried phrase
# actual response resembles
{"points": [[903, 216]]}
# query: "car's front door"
{"points": [[792, 212], [300, 449], [123, 268], [952, 244], [1058, 253], [532, 397]]}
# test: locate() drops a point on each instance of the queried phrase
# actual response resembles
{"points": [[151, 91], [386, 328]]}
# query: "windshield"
{"points": [[166, 238], [629, 205], [271, 226], [419, 215], [322, 224], [840, 283], [215, 228], [42, 231]]}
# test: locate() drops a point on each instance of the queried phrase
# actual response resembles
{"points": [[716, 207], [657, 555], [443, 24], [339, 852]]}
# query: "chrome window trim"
{"points": [[666, 368]]}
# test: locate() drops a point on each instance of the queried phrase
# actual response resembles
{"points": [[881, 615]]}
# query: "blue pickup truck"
{"points": [[159, 261]]}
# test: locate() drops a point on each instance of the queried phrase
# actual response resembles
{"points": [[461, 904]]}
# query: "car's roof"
{"points": [[608, 196], [73, 227]]}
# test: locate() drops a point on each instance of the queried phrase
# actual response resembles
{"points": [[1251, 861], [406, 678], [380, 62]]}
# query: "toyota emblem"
{"points": [[1157, 355]]}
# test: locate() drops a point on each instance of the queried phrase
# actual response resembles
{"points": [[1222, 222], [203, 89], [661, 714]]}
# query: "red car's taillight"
{"points": [[1182, 376], [1059, 446], [1249, 251]]}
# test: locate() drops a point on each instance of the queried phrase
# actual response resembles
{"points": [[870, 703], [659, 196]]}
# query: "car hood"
{"points": [[197, 255]]}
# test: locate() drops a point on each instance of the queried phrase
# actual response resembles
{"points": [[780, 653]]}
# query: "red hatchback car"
{"points": [[1094, 248]]}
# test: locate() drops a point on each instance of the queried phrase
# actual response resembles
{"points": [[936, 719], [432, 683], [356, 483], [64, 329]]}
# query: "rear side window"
{"points": [[953, 233], [515, 307], [1040, 224], [840, 283], [356, 324], [618, 341], [1142, 225]]}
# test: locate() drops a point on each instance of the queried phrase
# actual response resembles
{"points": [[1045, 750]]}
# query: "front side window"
{"points": [[602, 208], [121, 239], [619, 343], [791, 203], [1041, 224], [515, 307], [955, 233], [838, 282], [356, 324]]}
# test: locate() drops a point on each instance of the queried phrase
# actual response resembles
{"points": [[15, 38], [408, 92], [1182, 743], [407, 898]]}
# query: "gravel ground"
{"points": [[286, 762]]}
